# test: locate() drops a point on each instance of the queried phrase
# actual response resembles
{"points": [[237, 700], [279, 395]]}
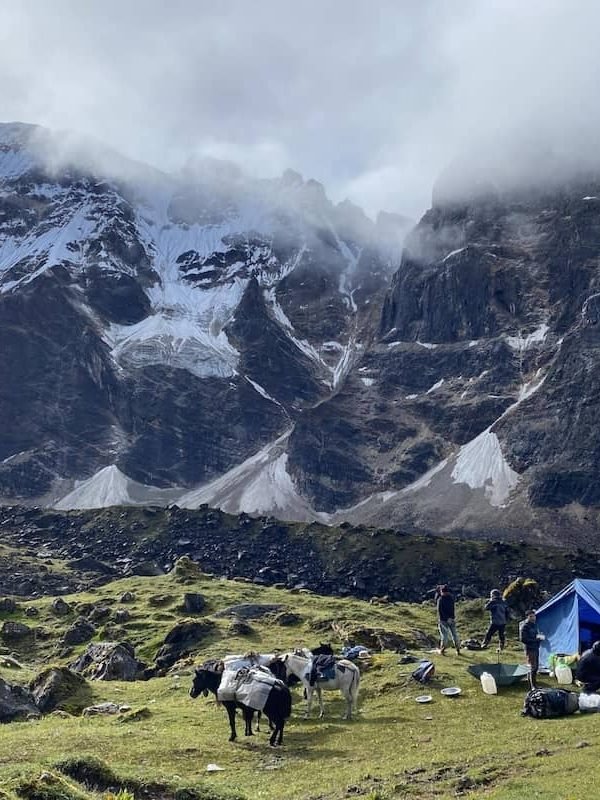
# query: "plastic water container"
{"points": [[488, 683], [563, 674]]}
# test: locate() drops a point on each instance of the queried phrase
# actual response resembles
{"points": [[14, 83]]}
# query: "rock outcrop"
{"points": [[109, 661], [59, 688], [16, 703]]}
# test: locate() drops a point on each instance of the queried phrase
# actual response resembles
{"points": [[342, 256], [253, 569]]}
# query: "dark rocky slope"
{"points": [[96, 546]]}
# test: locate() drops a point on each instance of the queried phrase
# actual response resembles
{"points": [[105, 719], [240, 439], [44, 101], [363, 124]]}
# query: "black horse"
{"points": [[277, 708]]}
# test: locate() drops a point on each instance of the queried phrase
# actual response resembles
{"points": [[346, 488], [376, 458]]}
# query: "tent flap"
{"points": [[570, 618]]}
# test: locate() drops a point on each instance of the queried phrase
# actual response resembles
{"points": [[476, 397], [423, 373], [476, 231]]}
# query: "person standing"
{"points": [[499, 616], [530, 636], [446, 621]]}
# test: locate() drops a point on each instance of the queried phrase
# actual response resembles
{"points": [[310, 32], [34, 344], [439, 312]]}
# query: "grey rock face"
{"points": [[184, 636], [108, 661], [241, 345], [201, 314], [79, 632], [13, 631], [193, 603], [57, 688], [16, 702], [490, 321]]}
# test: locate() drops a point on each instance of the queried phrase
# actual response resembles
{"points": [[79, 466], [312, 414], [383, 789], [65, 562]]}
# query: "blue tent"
{"points": [[571, 619]]}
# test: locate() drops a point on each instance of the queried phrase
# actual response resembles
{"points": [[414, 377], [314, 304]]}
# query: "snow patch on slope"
{"points": [[111, 487], [185, 331], [260, 485], [481, 465], [521, 343]]}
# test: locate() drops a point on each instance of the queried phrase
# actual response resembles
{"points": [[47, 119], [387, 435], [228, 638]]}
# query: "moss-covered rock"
{"points": [[60, 688]]}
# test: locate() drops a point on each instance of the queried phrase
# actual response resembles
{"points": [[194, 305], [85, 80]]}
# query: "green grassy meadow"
{"points": [[473, 746]]}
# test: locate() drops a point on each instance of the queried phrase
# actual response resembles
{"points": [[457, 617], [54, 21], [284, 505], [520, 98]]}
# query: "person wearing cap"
{"points": [[499, 616], [530, 636], [446, 622], [588, 669]]}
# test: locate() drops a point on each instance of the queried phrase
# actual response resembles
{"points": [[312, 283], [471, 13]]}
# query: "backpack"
{"points": [[547, 703], [424, 672]]}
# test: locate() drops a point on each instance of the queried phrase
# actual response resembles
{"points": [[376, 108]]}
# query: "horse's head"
{"points": [[324, 649], [201, 683], [278, 668]]}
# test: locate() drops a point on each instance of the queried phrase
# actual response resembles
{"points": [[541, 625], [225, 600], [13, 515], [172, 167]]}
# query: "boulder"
{"points": [[239, 627], [7, 605], [186, 634], [60, 607], [59, 688], [16, 702], [101, 709], [109, 661], [147, 569], [122, 615], [250, 610], [11, 631], [159, 600], [32, 611], [194, 603], [99, 614], [286, 618], [127, 597], [80, 631]]}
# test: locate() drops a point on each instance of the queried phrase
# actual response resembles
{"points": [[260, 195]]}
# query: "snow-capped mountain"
{"points": [[165, 328], [211, 338]]}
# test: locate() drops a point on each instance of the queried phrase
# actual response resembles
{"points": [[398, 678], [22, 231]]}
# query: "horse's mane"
{"points": [[304, 652], [213, 665]]}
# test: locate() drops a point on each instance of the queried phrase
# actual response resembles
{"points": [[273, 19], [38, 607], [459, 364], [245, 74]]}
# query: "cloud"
{"points": [[373, 99]]}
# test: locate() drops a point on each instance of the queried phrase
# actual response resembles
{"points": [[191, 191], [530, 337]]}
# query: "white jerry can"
{"points": [[488, 683], [563, 674]]}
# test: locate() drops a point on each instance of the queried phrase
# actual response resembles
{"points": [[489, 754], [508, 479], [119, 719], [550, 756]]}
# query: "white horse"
{"points": [[346, 679], [251, 659]]}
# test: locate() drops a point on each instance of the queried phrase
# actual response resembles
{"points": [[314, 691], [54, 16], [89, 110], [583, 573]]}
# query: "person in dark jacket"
{"points": [[499, 616], [446, 621], [530, 636], [588, 669]]}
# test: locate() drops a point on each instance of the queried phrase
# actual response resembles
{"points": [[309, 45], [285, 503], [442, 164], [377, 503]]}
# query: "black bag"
{"points": [[424, 672], [548, 703]]}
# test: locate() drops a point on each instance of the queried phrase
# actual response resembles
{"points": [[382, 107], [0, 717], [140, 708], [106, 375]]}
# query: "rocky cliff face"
{"points": [[156, 331], [207, 338], [487, 359]]}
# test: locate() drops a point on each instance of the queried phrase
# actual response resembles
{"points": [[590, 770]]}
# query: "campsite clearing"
{"points": [[473, 745]]}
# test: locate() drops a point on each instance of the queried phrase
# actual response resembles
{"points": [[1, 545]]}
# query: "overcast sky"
{"points": [[372, 98]]}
